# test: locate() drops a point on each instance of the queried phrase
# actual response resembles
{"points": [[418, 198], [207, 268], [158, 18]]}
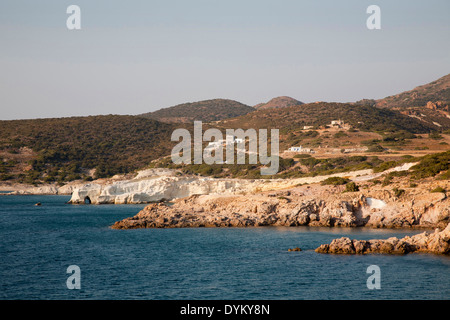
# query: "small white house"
{"points": [[301, 149], [337, 123]]}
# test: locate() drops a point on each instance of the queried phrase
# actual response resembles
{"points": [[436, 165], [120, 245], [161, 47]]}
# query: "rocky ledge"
{"points": [[437, 242], [314, 205]]}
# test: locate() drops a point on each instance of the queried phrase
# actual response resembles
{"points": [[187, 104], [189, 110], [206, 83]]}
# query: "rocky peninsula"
{"points": [[307, 205], [316, 205]]}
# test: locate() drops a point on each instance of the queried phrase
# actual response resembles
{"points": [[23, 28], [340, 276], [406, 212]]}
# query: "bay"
{"points": [[38, 243]]}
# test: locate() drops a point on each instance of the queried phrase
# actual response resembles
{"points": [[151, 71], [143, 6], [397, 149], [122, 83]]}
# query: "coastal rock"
{"points": [[437, 242], [324, 207]]}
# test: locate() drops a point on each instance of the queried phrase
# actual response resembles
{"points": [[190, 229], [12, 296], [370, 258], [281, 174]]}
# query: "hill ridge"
{"points": [[278, 102], [204, 110]]}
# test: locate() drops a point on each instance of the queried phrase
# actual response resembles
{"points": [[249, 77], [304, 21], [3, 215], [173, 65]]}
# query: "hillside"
{"points": [[429, 103], [364, 138], [358, 135], [206, 111], [66, 149], [278, 102], [435, 91], [318, 114]]}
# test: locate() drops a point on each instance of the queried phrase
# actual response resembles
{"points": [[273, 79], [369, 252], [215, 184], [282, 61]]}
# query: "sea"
{"points": [[40, 245]]}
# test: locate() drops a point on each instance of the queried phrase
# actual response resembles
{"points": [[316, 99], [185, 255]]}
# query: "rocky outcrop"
{"points": [[437, 242], [314, 205]]}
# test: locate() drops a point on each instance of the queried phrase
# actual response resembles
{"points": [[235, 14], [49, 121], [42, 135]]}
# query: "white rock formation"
{"points": [[155, 185], [375, 203], [154, 188]]}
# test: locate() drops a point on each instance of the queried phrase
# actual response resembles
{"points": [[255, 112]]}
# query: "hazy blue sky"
{"points": [[132, 57]]}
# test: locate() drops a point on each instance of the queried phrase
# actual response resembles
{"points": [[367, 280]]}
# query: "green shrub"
{"points": [[302, 156], [351, 187], [385, 165], [310, 162], [340, 134], [387, 181], [398, 192], [438, 189], [375, 148], [431, 165], [399, 136], [5, 177], [435, 135], [335, 181], [445, 175]]}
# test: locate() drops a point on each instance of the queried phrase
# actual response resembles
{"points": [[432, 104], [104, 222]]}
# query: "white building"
{"points": [[338, 123], [301, 149]]}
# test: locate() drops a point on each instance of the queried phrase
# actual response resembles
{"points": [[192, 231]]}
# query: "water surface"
{"points": [[38, 243]]}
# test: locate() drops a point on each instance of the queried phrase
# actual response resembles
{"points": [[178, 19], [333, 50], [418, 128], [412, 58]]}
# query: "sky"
{"points": [[132, 57]]}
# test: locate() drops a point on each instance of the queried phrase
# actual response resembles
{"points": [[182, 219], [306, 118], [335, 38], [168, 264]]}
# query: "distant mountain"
{"points": [[206, 111], [429, 103], [279, 102]]}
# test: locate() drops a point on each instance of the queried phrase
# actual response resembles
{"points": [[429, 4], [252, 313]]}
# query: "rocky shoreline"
{"points": [[315, 205], [203, 202], [437, 242]]}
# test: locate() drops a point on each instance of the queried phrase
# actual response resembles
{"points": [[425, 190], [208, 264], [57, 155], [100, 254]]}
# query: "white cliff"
{"points": [[155, 185]]}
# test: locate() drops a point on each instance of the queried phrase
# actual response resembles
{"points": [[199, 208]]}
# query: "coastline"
{"points": [[306, 205], [175, 201]]}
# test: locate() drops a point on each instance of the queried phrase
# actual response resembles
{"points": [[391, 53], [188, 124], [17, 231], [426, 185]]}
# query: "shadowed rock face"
{"points": [[437, 242]]}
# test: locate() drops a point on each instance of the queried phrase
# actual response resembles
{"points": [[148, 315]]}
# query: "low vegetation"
{"points": [[335, 181], [66, 149], [438, 189]]}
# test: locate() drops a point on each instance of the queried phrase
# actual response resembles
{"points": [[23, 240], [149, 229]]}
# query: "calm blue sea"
{"points": [[38, 243]]}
